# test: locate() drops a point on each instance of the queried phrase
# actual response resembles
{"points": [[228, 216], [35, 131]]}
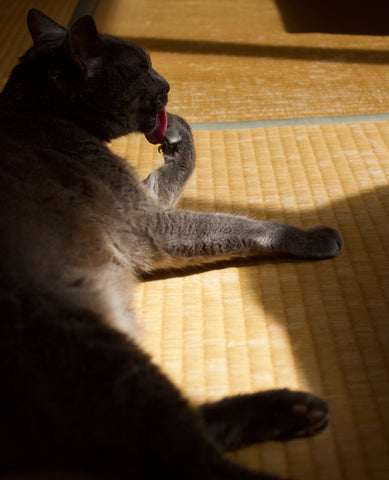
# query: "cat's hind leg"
{"points": [[80, 395], [165, 184], [239, 421]]}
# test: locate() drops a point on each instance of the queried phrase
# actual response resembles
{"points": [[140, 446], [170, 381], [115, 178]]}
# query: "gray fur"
{"points": [[77, 228]]}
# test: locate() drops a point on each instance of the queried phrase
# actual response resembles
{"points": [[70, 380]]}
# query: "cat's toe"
{"points": [[312, 420], [323, 242], [168, 148]]}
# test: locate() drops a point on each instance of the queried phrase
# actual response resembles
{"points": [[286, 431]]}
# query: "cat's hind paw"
{"points": [[299, 414], [236, 422]]}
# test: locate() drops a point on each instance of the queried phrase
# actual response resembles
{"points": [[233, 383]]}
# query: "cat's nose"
{"points": [[163, 84]]}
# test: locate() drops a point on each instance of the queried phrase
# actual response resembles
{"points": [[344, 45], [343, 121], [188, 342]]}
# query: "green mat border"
{"points": [[283, 122]]}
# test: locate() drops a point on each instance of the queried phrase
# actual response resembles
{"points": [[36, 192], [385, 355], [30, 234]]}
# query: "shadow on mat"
{"points": [[319, 54], [352, 17]]}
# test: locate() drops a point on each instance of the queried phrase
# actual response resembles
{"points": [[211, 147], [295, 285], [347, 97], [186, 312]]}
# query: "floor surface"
{"points": [[315, 150]]}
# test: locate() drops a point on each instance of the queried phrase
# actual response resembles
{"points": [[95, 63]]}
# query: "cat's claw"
{"points": [[168, 148]]}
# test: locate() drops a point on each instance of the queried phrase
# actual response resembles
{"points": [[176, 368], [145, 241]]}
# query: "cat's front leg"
{"points": [[280, 415], [203, 236], [165, 184]]}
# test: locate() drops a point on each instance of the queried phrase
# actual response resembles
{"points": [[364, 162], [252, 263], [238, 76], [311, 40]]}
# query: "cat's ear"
{"points": [[84, 45], [39, 24]]}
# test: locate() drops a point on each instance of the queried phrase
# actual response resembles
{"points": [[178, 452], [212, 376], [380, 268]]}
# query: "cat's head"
{"points": [[104, 83]]}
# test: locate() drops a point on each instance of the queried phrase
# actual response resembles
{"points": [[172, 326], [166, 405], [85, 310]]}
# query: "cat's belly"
{"points": [[107, 291]]}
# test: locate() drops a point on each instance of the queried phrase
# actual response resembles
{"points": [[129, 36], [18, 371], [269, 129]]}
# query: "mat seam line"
{"points": [[383, 137], [282, 122], [240, 164], [386, 144], [373, 152], [303, 294], [291, 182], [297, 146], [223, 145], [203, 346], [358, 346], [353, 137]]}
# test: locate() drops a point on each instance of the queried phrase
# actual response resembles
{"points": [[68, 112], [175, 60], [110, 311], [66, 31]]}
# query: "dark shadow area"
{"points": [[353, 17], [375, 57]]}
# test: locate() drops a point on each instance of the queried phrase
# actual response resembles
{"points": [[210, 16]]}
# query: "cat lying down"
{"points": [[77, 228]]}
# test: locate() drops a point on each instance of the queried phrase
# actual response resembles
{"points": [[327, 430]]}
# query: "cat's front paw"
{"points": [[177, 129], [323, 242], [178, 137]]}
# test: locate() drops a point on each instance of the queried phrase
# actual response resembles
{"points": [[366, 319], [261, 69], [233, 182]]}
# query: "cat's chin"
{"points": [[156, 135]]}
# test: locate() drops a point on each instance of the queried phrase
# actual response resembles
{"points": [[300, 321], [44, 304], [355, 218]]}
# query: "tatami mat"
{"points": [[321, 326], [234, 60]]}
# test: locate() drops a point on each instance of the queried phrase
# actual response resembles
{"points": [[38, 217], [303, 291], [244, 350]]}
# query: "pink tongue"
{"points": [[157, 134]]}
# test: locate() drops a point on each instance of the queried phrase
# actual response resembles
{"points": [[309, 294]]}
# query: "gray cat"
{"points": [[77, 228]]}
